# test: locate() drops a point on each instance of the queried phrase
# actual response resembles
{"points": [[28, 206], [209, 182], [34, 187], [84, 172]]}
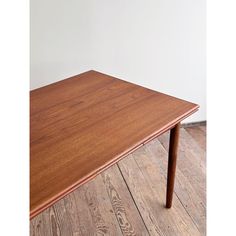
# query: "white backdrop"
{"points": [[159, 44]]}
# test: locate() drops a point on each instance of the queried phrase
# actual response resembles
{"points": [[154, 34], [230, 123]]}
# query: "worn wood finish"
{"points": [[187, 193], [198, 134], [203, 128], [191, 161], [82, 125], [193, 124], [124, 208], [173, 148], [139, 206], [138, 170]]}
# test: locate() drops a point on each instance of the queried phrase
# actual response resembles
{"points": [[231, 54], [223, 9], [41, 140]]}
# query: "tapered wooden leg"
{"points": [[173, 147]]}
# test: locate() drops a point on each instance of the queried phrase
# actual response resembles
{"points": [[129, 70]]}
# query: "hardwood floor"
{"points": [[129, 198]]}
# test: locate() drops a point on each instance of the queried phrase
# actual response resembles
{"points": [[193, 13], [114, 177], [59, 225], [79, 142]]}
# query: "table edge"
{"points": [[92, 175]]}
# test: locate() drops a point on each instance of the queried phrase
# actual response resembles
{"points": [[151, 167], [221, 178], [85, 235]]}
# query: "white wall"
{"points": [[159, 44], [60, 40]]}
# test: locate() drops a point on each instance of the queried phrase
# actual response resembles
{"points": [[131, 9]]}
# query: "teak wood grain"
{"points": [[82, 125]]}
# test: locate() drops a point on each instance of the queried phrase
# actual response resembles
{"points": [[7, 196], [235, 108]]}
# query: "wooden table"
{"points": [[82, 125]]}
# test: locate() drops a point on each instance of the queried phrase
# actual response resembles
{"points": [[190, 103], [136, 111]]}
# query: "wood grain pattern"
{"points": [[199, 135], [191, 162], [101, 209], [82, 125], [203, 128], [150, 198], [150, 166], [186, 192], [124, 208]]}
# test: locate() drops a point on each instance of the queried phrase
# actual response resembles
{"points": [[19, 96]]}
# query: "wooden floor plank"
{"points": [[187, 194], [104, 206], [199, 135], [148, 187], [61, 224], [203, 128], [124, 208], [142, 196], [100, 208], [79, 213], [88, 209], [42, 225], [188, 145], [191, 161]]}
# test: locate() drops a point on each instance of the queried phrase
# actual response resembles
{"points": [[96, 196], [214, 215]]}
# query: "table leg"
{"points": [[173, 147]]}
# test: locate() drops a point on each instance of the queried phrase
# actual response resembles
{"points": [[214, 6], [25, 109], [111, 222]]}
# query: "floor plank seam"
{"points": [[177, 194], [57, 219], [60, 219], [115, 212], [141, 171], [187, 212], [133, 199]]}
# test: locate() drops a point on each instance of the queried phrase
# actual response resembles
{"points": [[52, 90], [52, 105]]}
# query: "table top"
{"points": [[82, 125]]}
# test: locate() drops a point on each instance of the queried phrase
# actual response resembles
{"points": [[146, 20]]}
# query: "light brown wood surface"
{"points": [[82, 125], [129, 198]]}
